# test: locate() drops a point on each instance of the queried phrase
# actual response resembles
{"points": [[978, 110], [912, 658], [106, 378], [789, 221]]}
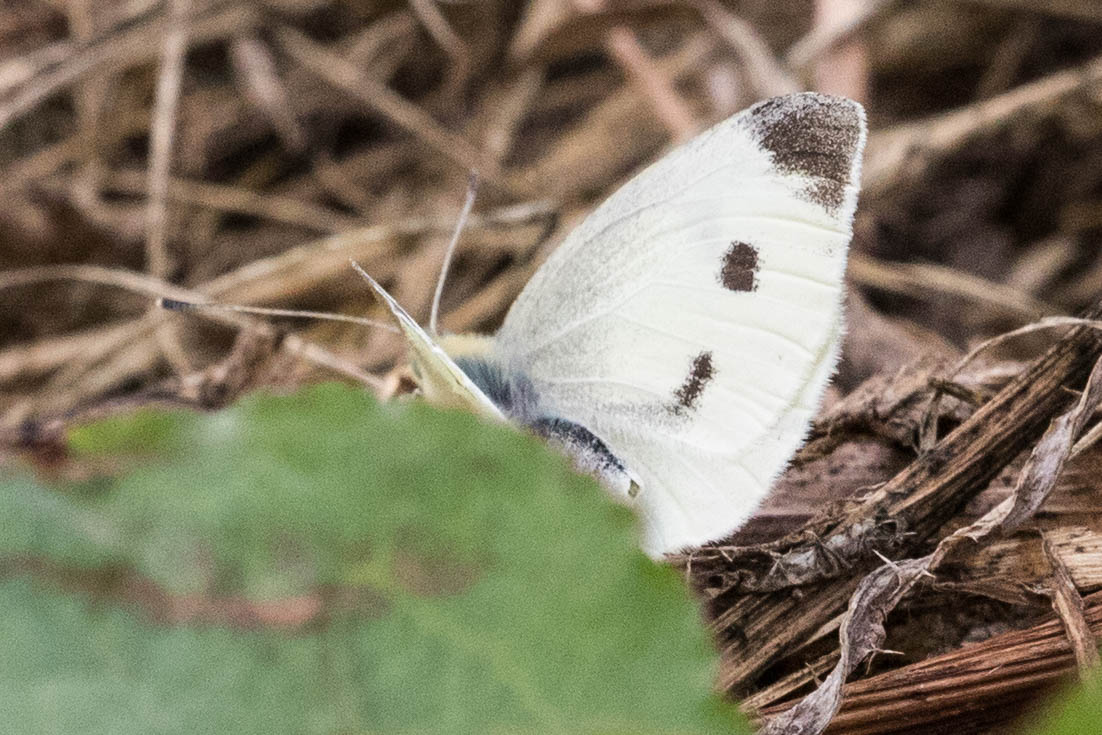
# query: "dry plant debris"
{"points": [[244, 151]]}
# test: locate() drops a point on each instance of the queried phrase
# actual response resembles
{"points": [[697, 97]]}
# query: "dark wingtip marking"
{"points": [[700, 374], [812, 135], [740, 267]]}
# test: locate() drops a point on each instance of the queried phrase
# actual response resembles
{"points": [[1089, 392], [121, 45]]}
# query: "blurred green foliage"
{"points": [[1077, 711], [322, 564]]}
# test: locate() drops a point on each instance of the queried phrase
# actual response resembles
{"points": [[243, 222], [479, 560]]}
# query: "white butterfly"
{"points": [[678, 342]]}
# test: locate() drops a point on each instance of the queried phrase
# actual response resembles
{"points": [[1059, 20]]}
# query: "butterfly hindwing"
{"points": [[693, 320]]}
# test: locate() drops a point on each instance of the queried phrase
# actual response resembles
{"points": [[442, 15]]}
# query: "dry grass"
{"points": [[243, 152]]}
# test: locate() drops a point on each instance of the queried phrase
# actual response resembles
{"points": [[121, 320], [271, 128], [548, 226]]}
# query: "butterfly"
{"points": [[677, 343]]}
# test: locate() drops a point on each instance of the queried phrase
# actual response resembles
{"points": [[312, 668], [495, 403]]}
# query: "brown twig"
{"points": [[905, 150], [1069, 606], [901, 514], [767, 74], [382, 100], [161, 136], [862, 629], [928, 279], [971, 690], [115, 52], [655, 85], [255, 67]]}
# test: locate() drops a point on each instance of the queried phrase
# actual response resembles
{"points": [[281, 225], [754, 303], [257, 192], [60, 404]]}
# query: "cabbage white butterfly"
{"points": [[677, 344]]}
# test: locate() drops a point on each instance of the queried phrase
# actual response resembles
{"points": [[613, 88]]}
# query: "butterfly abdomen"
{"points": [[589, 454]]}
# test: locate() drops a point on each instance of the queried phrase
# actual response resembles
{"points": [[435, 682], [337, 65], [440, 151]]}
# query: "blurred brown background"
{"points": [[242, 152]]}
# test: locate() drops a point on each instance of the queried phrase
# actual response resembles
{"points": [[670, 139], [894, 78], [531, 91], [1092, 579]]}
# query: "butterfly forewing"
{"points": [[693, 320]]}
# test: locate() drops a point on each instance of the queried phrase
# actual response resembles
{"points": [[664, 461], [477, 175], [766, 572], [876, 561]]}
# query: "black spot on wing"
{"points": [[812, 135], [700, 374], [740, 267]]}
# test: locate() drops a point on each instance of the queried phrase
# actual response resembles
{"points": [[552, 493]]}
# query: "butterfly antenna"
{"points": [[468, 204], [177, 305]]}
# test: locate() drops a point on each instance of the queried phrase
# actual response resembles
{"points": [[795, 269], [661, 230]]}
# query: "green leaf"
{"points": [[1075, 712], [323, 564]]}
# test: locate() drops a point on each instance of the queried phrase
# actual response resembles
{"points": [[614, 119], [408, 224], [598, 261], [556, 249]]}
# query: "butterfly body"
{"points": [[677, 343], [514, 394]]}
